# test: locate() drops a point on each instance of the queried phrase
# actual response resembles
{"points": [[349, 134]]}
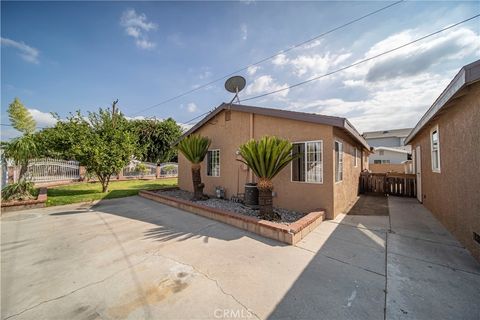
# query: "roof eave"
{"points": [[466, 76]]}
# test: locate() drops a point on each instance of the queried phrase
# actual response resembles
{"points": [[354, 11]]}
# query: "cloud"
{"points": [[191, 107], [137, 26], [280, 60], [311, 64], [27, 53], [252, 70], [43, 119], [313, 44], [316, 64], [420, 57], [265, 84], [244, 31]]}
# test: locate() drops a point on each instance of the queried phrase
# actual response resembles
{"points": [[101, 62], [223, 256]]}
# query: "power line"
{"points": [[361, 61], [269, 57]]}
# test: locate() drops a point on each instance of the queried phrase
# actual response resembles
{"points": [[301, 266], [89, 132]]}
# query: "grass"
{"points": [[88, 191]]}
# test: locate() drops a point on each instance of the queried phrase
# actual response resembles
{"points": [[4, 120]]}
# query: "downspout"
{"points": [[251, 135]]}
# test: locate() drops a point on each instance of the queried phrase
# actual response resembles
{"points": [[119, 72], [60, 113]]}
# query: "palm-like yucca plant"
{"points": [[194, 148], [266, 158]]}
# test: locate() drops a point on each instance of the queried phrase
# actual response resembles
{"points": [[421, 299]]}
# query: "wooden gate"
{"points": [[397, 184]]}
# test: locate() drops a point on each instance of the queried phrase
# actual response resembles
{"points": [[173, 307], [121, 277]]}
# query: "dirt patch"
{"points": [[152, 295], [370, 205]]}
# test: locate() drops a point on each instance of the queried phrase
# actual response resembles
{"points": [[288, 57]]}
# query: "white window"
{"points": [[213, 163], [380, 152], [435, 147], [338, 161], [355, 157], [309, 166]]}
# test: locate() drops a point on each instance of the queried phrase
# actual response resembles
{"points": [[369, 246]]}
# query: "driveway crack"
{"points": [[74, 291], [213, 280]]}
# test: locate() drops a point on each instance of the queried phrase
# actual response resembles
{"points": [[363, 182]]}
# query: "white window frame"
{"points": [[355, 161], [437, 170], [208, 164], [340, 159], [305, 163]]}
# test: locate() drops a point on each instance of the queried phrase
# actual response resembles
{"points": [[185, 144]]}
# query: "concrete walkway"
{"points": [[134, 258]]}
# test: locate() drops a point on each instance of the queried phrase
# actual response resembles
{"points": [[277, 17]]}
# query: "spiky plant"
{"points": [[266, 158], [195, 148]]}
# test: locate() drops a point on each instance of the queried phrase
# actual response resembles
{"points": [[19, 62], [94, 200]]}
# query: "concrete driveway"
{"points": [[135, 258]]}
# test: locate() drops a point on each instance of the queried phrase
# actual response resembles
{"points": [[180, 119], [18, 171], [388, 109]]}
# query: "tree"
{"points": [[23, 148], [195, 148], [266, 158], [20, 118], [20, 150], [156, 138], [102, 142]]}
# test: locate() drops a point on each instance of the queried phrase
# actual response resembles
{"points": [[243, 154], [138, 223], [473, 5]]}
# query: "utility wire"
{"points": [[361, 61], [351, 65], [269, 57]]}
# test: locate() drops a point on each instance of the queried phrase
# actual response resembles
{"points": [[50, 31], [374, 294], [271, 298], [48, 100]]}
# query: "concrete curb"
{"points": [[40, 202], [290, 234]]}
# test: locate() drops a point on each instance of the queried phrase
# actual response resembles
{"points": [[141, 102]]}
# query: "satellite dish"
{"points": [[235, 84]]}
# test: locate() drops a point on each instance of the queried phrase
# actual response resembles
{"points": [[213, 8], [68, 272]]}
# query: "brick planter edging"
{"points": [[290, 234], [40, 202]]}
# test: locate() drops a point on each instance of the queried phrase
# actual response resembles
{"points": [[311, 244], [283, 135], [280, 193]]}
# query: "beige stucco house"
{"points": [[326, 177], [446, 154]]}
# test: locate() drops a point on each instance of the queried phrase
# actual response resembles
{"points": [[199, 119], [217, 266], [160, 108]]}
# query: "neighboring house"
{"points": [[326, 177], [384, 159], [387, 155], [388, 138], [446, 152]]}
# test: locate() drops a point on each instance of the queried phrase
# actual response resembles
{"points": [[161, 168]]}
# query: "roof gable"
{"points": [[278, 113]]}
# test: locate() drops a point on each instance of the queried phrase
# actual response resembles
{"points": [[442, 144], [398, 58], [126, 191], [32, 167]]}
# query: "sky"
{"points": [[66, 56]]}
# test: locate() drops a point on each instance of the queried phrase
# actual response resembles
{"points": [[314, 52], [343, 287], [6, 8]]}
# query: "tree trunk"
{"points": [[265, 200], [197, 182]]}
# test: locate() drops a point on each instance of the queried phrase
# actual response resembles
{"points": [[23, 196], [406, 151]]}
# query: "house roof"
{"points": [[392, 149], [465, 77], [399, 133], [338, 122]]}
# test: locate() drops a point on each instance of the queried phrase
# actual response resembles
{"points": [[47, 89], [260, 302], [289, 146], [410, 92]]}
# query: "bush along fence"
{"points": [[49, 171]]}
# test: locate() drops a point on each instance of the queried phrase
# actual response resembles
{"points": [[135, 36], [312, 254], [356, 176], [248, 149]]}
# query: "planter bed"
{"points": [[26, 204], [289, 230]]}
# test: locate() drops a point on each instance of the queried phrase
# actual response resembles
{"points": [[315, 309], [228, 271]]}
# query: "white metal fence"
{"points": [[47, 169], [140, 169], [169, 169]]}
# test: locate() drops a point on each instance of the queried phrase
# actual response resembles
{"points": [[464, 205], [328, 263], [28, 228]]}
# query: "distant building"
{"points": [[387, 138], [388, 146], [385, 155]]}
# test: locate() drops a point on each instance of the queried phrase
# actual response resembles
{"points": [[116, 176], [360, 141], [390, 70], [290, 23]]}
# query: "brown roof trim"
{"points": [[467, 75], [278, 113]]}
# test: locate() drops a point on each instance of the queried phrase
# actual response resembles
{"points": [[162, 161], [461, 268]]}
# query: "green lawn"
{"points": [[85, 191]]}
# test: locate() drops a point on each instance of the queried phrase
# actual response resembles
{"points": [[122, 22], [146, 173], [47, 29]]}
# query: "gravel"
{"points": [[287, 216]]}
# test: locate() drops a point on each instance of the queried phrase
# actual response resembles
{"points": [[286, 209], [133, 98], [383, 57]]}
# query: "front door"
{"points": [[418, 172]]}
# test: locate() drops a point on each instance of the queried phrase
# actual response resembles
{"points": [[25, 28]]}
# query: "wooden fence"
{"points": [[398, 184]]}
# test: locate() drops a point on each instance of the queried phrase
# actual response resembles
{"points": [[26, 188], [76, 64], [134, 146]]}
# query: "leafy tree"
{"points": [[20, 118], [266, 158], [102, 142], [156, 138], [23, 148], [195, 148]]}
